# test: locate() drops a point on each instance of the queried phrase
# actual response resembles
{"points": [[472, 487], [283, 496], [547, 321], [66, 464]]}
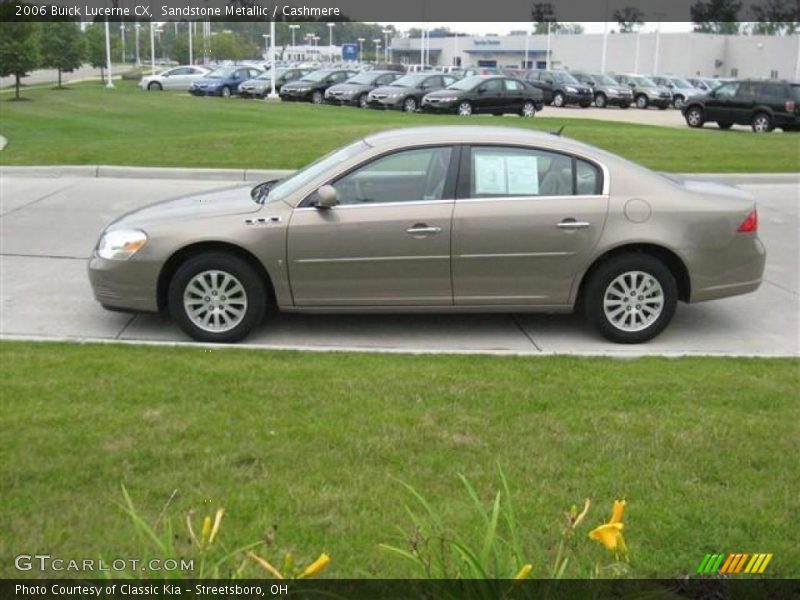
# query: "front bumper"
{"points": [[128, 285], [387, 102], [439, 107], [619, 100], [205, 91], [342, 100], [251, 92], [294, 95]]}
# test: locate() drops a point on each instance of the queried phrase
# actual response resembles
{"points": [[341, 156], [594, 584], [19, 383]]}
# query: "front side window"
{"points": [[512, 172], [727, 90], [405, 176], [493, 85]]}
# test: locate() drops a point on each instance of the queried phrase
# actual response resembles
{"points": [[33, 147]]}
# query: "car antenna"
{"points": [[558, 133]]}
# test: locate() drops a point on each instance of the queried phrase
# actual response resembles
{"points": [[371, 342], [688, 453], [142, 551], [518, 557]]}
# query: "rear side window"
{"points": [[501, 172], [513, 86], [773, 90]]}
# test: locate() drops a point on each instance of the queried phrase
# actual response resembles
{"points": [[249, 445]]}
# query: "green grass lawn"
{"points": [[703, 449], [88, 124]]}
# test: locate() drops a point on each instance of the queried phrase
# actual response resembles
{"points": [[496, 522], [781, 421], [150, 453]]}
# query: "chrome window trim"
{"points": [[518, 198], [380, 204]]}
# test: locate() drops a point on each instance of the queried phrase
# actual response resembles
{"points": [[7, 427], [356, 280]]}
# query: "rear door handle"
{"points": [[422, 229], [573, 224]]}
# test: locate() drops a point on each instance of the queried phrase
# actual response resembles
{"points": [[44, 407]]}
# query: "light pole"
{"points": [[527, 44], [636, 52], [361, 50], [293, 28], [658, 42], [109, 83], [605, 46], [137, 28], [547, 58], [122, 35], [152, 49], [191, 54], [330, 41], [386, 33], [455, 52], [377, 42], [272, 92], [266, 46]]}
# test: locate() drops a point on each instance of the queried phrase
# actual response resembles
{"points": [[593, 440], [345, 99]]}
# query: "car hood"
{"points": [[257, 83], [217, 203], [301, 84], [444, 93], [350, 87], [209, 81]]}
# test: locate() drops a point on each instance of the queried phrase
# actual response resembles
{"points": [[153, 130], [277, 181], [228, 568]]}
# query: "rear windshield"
{"points": [[410, 80]]}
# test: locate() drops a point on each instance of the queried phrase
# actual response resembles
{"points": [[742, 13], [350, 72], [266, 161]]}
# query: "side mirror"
{"points": [[481, 90], [327, 197]]}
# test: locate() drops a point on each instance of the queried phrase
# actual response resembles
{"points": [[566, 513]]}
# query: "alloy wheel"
{"points": [[464, 109], [215, 301], [528, 109], [410, 105], [633, 301]]}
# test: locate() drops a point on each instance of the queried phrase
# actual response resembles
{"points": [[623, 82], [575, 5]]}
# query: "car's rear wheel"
{"points": [[217, 297], [631, 298], [528, 110], [154, 86], [317, 97], [559, 99], [410, 105], [362, 101], [464, 109], [225, 91], [762, 123], [600, 101], [695, 117], [724, 124], [641, 101]]}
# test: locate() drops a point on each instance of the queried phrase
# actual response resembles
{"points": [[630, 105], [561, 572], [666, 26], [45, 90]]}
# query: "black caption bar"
{"points": [[398, 589], [365, 10]]}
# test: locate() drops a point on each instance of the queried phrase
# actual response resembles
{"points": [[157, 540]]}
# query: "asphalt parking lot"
{"points": [[49, 226]]}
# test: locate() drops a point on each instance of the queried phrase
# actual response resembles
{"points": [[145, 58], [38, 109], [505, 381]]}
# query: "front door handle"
{"points": [[573, 224], [422, 229]]}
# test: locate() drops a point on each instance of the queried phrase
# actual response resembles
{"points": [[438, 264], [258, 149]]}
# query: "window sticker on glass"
{"points": [[523, 175], [505, 175], [490, 175]]}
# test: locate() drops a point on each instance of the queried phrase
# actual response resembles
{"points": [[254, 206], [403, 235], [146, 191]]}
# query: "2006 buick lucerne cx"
{"points": [[472, 219]]}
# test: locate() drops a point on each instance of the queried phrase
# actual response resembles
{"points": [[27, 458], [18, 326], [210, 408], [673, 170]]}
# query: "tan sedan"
{"points": [[469, 219]]}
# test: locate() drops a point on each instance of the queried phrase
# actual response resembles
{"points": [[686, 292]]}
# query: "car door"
{"points": [[525, 223], [174, 79], [744, 101], [387, 242], [514, 96], [719, 105], [431, 84], [490, 96]]}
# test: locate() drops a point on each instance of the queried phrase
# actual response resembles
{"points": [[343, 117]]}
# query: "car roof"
{"points": [[460, 134]]}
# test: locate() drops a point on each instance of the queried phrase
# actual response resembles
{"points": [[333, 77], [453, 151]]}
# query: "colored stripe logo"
{"points": [[736, 562]]}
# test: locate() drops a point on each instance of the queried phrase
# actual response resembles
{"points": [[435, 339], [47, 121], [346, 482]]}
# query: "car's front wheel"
{"points": [[600, 101], [363, 101], [558, 99], [642, 101], [631, 298], [464, 109], [695, 117], [410, 105], [154, 86], [226, 91], [217, 297], [317, 97]]}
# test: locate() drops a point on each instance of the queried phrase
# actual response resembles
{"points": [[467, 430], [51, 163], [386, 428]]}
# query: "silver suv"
{"points": [[646, 92], [606, 90]]}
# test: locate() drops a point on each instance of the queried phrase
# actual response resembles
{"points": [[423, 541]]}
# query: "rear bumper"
{"points": [[741, 273]]}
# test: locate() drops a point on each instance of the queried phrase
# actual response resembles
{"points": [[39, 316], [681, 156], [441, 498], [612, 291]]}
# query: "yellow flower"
{"points": [[609, 535], [524, 572], [317, 566], [619, 509], [205, 532], [217, 523]]}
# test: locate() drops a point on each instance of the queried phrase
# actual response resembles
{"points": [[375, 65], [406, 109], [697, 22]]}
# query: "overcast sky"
{"points": [[504, 28]]}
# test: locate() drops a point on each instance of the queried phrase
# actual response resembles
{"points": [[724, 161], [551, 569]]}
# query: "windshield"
{"points": [[644, 82], [268, 74], [681, 83], [562, 77], [220, 73], [309, 172], [605, 80], [316, 76], [465, 84], [365, 78], [409, 80]]}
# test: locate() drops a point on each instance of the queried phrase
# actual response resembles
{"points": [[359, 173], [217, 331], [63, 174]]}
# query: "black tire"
{"points": [[154, 86], [410, 104], [642, 101], [254, 289], [559, 99], [528, 109], [497, 114], [605, 274], [724, 124], [600, 100], [225, 92], [625, 105], [362, 101], [663, 106], [695, 117], [762, 123], [585, 104], [317, 97]]}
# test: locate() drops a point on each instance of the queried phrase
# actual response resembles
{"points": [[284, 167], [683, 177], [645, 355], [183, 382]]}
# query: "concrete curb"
{"points": [[3, 142], [114, 172], [253, 175]]}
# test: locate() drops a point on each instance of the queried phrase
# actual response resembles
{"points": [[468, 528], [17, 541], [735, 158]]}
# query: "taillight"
{"points": [[789, 105], [750, 223]]}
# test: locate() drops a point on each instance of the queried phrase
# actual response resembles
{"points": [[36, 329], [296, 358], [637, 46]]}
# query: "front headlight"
{"points": [[301, 89], [612, 92], [121, 244], [571, 89], [447, 98]]}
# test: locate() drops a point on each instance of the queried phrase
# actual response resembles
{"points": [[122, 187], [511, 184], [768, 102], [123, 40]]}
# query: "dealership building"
{"points": [[688, 54]]}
